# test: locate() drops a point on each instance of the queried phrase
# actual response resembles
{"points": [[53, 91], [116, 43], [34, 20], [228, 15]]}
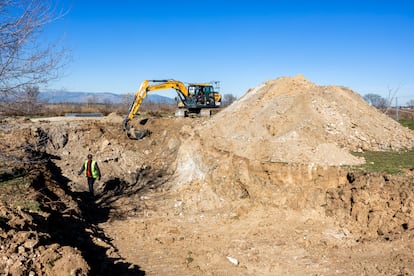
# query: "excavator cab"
{"points": [[204, 96]]}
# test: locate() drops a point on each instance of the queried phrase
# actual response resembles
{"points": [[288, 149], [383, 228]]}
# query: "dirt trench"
{"points": [[48, 226], [160, 210], [58, 234]]}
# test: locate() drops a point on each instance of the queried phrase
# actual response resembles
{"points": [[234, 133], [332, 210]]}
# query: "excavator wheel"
{"points": [[205, 112], [181, 113]]}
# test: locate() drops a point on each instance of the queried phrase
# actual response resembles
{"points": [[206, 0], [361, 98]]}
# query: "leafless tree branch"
{"points": [[25, 60]]}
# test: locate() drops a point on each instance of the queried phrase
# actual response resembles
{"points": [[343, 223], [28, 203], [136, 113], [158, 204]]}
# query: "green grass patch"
{"points": [[387, 162], [189, 259], [16, 184], [30, 205], [407, 123], [14, 192]]}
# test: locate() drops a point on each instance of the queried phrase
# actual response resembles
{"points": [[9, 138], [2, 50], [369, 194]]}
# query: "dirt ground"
{"points": [[264, 187]]}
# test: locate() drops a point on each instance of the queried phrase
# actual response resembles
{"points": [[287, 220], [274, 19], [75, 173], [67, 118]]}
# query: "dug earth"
{"points": [[267, 186]]}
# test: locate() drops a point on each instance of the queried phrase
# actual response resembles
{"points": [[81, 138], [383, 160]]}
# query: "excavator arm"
{"points": [[148, 86]]}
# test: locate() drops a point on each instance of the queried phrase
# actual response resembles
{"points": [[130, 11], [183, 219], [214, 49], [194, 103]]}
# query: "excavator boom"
{"points": [[195, 97], [146, 87]]}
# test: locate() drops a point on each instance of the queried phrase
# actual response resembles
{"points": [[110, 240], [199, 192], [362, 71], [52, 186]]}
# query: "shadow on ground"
{"points": [[73, 222]]}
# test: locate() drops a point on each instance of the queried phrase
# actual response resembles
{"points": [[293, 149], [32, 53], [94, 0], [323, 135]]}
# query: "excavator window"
{"points": [[207, 89], [191, 90]]}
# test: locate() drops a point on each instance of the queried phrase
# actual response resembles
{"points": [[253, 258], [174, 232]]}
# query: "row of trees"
{"points": [[28, 103], [381, 102]]}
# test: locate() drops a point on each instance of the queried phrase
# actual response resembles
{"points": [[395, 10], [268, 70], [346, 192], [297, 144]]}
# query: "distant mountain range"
{"points": [[98, 97]]}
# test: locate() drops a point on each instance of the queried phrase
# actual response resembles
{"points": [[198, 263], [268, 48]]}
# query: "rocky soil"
{"points": [[264, 187], [295, 120]]}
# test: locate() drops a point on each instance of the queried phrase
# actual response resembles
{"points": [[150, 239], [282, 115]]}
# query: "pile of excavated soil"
{"points": [[293, 120], [202, 207]]}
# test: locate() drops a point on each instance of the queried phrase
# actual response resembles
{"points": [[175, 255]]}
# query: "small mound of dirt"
{"points": [[113, 117], [293, 120]]}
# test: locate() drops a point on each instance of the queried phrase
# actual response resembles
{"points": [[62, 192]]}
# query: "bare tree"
{"points": [[127, 100], [92, 100], [392, 93], [376, 100], [107, 103], [25, 60], [24, 103], [228, 99], [30, 99]]}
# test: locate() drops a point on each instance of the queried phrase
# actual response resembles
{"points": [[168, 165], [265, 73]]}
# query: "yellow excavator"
{"points": [[195, 98]]}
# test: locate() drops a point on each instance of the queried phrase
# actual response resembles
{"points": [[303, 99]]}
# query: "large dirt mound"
{"points": [[293, 120]]}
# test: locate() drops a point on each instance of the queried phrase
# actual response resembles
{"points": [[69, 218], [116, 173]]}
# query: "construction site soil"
{"points": [[266, 186]]}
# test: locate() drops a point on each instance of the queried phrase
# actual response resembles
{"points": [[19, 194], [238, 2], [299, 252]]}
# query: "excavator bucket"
{"points": [[137, 134], [134, 134]]}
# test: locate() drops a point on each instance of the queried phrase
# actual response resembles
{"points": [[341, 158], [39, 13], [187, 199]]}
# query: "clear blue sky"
{"points": [[367, 46]]}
